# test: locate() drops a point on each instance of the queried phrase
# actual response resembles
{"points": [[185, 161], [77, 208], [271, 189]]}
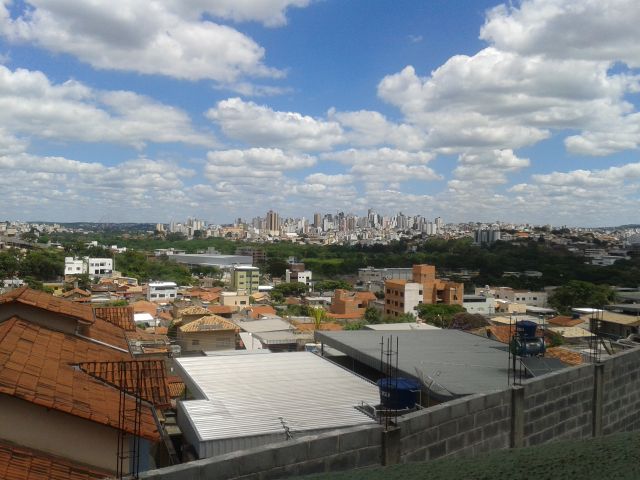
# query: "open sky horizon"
{"points": [[152, 111]]}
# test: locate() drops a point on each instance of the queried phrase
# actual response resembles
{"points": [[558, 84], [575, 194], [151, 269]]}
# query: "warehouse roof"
{"points": [[452, 362], [249, 400]]}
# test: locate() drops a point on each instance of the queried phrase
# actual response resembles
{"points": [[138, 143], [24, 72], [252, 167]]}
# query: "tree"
{"points": [[439, 315], [318, 315], [291, 289], [8, 264], [372, 315], [577, 293], [468, 321], [323, 285], [276, 267], [359, 325]]}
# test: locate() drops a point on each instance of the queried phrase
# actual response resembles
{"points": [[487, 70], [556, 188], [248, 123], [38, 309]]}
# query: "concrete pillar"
{"points": [[517, 417], [598, 390], [391, 447]]}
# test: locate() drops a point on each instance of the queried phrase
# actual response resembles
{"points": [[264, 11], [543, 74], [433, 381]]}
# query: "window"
{"points": [[419, 292], [195, 342], [388, 301]]}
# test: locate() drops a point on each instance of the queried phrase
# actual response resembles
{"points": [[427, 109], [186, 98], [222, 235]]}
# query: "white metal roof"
{"points": [[252, 395], [267, 324]]}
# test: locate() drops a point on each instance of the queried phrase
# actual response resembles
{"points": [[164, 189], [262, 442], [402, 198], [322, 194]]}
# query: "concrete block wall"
{"points": [[577, 402], [558, 406], [621, 393], [466, 426], [338, 450]]}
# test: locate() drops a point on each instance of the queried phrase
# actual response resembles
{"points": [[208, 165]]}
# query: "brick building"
{"points": [[346, 304], [403, 296]]}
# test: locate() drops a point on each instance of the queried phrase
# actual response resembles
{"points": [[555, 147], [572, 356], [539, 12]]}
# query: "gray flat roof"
{"points": [[451, 363], [268, 324]]}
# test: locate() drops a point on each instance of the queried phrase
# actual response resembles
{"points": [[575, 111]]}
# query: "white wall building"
{"points": [[302, 277], [162, 291], [479, 304], [534, 299], [95, 267]]}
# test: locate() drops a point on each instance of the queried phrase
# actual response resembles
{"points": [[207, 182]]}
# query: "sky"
{"points": [[156, 110]]}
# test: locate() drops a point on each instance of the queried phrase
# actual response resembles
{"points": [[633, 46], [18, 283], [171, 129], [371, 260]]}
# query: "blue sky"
{"points": [[133, 110]]}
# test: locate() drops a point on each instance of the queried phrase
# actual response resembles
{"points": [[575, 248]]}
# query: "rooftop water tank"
{"points": [[526, 329], [398, 393]]}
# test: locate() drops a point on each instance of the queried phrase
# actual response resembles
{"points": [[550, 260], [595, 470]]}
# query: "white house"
{"points": [[95, 267], [162, 291]]}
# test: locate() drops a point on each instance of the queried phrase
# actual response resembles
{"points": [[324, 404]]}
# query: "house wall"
{"points": [[58, 433], [45, 318], [207, 341]]}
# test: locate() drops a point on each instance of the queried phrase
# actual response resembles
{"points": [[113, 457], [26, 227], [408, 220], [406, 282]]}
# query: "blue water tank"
{"points": [[398, 393], [526, 329]]}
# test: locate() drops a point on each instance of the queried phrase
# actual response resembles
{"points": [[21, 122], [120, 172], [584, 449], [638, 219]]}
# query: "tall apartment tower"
{"points": [[273, 221], [317, 220]]}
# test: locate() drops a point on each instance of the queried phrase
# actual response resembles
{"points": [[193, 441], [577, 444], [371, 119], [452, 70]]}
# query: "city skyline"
{"points": [[151, 111]]}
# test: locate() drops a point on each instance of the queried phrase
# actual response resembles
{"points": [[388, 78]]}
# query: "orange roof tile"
{"points": [[119, 316], [48, 302], [207, 324], [563, 321], [37, 365], [144, 376], [257, 310], [21, 463], [194, 310], [567, 356], [143, 306], [220, 309], [176, 389], [108, 333], [76, 291]]}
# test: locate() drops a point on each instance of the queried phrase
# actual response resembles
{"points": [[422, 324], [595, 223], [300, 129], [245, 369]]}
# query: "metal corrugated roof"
{"points": [[252, 395]]}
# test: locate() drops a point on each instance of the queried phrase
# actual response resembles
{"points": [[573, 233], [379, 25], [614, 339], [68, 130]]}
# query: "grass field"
{"points": [[610, 458]]}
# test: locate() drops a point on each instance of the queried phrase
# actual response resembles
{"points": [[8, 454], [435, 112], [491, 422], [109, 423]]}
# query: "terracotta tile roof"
{"points": [[176, 387], [502, 333], [43, 300], [210, 297], [108, 333], [21, 463], [220, 309], [194, 310], [76, 291], [119, 316], [207, 324], [149, 373], [37, 365], [292, 301], [567, 356], [563, 321], [165, 316], [257, 310], [143, 306]]}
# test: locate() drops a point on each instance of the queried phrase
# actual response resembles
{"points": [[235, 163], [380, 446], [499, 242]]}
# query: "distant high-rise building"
{"points": [[487, 235], [317, 220], [273, 221]]}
